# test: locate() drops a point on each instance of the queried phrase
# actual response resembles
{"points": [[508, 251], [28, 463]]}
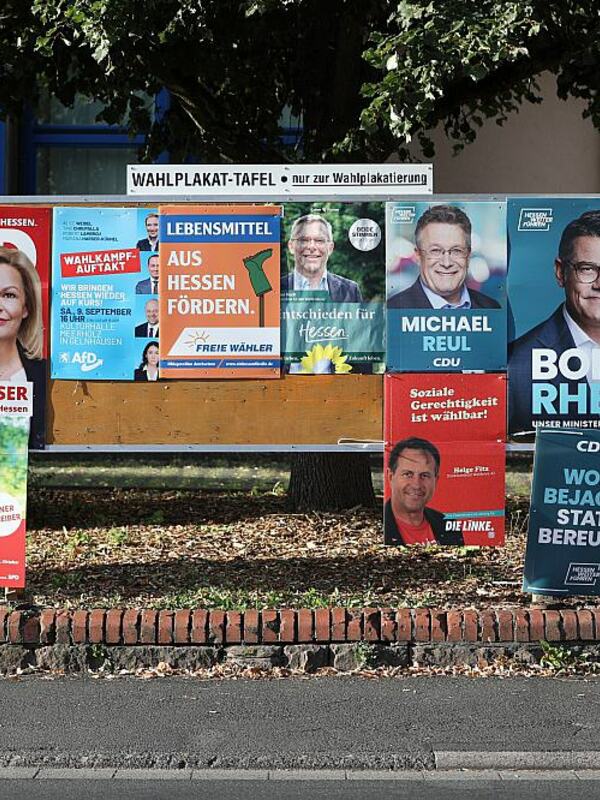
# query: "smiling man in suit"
{"points": [[443, 252], [311, 243], [573, 326], [149, 329], [150, 285]]}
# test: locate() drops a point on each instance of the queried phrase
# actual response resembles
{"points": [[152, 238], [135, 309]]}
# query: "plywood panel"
{"points": [[294, 410]]}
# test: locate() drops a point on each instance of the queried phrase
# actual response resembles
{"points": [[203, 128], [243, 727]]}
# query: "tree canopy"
{"points": [[365, 77]]}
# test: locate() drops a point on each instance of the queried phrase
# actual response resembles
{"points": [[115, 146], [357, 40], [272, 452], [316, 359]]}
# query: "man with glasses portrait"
{"points": [[442, 252], [310, 244], [574, 325]]}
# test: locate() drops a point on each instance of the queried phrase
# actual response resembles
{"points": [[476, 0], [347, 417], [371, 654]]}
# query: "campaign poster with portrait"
{"points": [[333, 287], [446, 286], [563, 543], [444, 459], [105, 317], [219, 291], [16, 405], [25, 248], [554, 299]]}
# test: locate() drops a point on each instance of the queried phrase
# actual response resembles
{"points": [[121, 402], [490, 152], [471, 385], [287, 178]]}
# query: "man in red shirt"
{"points": [[413, 471]]}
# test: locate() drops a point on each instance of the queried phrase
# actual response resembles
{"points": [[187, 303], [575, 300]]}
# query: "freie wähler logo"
{"points": [[535, 219], [403, 214]]}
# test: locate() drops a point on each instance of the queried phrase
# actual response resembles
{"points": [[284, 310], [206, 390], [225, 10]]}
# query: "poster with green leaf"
{"points": [[333, 288], [14, 435]]}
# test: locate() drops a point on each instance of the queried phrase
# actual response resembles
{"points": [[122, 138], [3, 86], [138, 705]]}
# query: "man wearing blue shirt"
{"points": [[442, 251], [311, 244]]}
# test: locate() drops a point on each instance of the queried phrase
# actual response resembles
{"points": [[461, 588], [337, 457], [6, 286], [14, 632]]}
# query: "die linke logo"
{"points": [[535, 219]]}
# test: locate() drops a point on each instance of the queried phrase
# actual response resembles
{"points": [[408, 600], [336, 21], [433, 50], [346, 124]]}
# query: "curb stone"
{"points": [[346, 639]]}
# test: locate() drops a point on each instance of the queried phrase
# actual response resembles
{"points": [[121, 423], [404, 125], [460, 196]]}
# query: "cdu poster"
{"points": [[554, 294], [563, 543], [219, 291], [105, 318], [445, 460], [332, 292], [446, 292]]}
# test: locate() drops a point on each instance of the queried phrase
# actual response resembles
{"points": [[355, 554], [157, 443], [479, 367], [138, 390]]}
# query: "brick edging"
{"points": [[117, 626]]}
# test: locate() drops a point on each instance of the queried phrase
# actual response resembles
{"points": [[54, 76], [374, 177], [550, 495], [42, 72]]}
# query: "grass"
{"points": [[256, 473]]}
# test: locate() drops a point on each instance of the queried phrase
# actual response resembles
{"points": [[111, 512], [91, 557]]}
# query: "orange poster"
{"points": [[219, 291]]}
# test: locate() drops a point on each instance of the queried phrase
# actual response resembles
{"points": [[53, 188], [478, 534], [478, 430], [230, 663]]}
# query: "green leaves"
{"points": [[366, 77]]}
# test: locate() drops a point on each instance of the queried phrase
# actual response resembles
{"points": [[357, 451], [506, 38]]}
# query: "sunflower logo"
{"points": [[323, 360]]}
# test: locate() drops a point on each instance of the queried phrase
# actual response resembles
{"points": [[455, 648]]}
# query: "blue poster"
{"points": [[554, 294], [563, 543], [105, 313], [446, 286], [332, 288]]}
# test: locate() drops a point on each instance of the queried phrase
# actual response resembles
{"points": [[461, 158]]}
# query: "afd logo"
{"points": [[586, 446], [535, 219], [87, 361]]}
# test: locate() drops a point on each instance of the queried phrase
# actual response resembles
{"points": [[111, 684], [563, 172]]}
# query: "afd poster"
{"points": [[105, 321], [445, 460], [16, 403], [24, 271], [219, 291], [554, 294], [332, 291], [563, 543], [446, 286]]}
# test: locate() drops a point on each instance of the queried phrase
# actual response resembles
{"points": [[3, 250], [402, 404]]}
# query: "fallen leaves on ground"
{"points": [[175, 549]]}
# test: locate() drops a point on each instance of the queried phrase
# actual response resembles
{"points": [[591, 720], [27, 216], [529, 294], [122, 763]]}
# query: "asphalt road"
{"points": [[466, 789], [333, 722]]}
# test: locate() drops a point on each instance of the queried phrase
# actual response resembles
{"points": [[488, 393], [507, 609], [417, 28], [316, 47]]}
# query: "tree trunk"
{"points": [[330, 481]]}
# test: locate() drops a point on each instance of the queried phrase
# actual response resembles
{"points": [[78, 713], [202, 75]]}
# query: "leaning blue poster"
{"points": [[554, 295], [563, 544], [446, 293], [105, 270]]}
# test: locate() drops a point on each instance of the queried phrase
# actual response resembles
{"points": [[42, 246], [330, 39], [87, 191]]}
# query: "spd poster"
{"points": [[446, 286], [105, 318], [25, 246], [563, 543], [445, 460], [16, 403], [219, 291], [554, 294], [332, 292]]}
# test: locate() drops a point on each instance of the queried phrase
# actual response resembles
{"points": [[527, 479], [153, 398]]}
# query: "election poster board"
{"points": [[563, 543], [16, 406], [446, 286], [460, 421], [219, 291], [26, 229], [554, 290], [332, 291], [105, 293]]}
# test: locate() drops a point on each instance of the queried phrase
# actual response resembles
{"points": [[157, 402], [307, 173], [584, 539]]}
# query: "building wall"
{"points": [[545, 148]]}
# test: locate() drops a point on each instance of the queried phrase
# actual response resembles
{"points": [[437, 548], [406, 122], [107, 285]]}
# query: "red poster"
{"points": [[445, 459], [27, 228]]}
